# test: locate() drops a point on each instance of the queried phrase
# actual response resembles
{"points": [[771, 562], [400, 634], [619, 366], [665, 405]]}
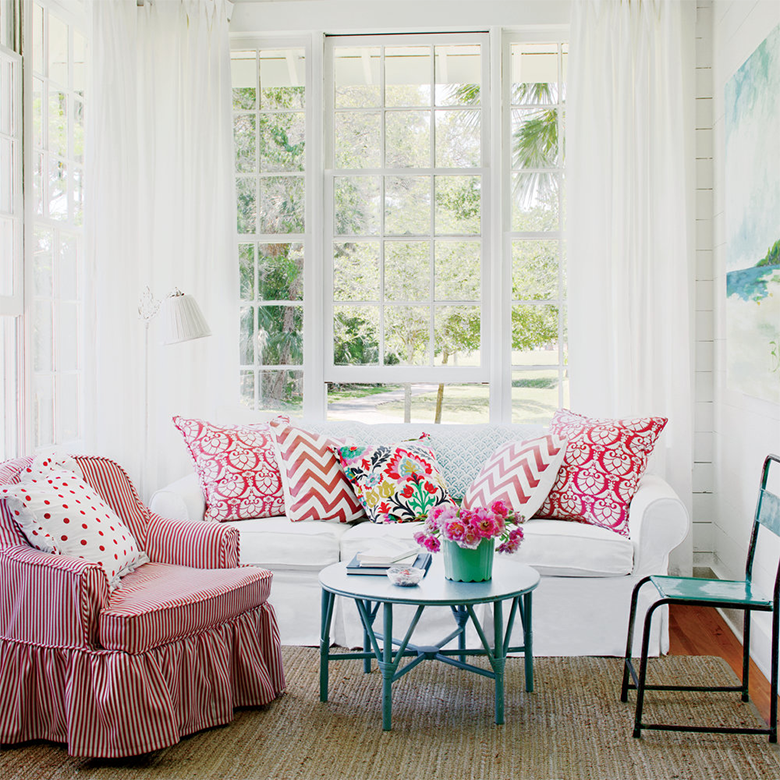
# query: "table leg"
{"points": [[528, 642], [387, 667], [366, 648], [499, 654], [326, 617]]}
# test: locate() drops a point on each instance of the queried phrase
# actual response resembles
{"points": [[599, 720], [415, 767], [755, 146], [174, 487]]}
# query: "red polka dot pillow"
{"points": [[237, 468], [59, 513], [604, 461]]}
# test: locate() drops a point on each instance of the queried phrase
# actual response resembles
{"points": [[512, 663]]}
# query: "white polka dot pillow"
{"points": [[59, 513]]}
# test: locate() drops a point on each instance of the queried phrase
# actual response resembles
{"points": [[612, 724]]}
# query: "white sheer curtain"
{"points": [[630, 231], [162, 214]]}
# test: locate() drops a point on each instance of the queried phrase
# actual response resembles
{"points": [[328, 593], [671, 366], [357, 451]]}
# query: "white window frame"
{"points": [[414, 373]]}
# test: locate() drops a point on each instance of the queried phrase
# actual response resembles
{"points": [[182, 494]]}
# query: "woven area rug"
{"points": [[573, 727]]}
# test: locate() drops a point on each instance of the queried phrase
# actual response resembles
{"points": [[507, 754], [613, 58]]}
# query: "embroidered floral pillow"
{"points": [[395, 483]]}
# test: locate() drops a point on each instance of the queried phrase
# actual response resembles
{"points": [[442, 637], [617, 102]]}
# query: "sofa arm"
{"points": [[50, 600], [181, 500], [658, 521], [193, 544]]}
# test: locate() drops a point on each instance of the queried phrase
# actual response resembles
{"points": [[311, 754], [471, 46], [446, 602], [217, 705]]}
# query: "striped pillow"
{"points": [[315, 487]]}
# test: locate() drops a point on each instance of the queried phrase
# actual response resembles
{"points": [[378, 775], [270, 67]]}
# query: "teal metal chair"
{"points": [[725, 594]]}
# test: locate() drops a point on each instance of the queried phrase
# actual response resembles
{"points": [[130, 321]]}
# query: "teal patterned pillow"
{"points": [[395, 483]]}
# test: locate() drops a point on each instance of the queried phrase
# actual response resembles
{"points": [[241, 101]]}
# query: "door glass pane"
{"points": [[458, 205], [534, 270], [535, 396], [356, 271], [280, 272], [282, 204], [355, 335], [282, 142], [534, 334], [535, 201], [279, 336], [281, 391], [534, 74], [356, 205]]}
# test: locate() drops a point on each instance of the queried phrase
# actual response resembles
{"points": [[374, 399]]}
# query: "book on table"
{"points": [[387, 552], [422, 560]]}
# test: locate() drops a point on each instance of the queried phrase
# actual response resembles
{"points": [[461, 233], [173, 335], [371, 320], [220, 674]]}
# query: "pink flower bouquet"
{"points": [[468, 527]]}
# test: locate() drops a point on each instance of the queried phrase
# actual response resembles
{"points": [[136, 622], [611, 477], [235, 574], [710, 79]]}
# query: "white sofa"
{"points": [[580, 607]]}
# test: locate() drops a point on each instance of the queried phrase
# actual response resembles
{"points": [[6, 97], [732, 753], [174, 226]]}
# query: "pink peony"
{"points": [[499, 508]]}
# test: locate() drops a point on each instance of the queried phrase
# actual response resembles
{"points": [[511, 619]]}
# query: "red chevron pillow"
{"points": [[520, 473], [315, 487], [605, 460]]}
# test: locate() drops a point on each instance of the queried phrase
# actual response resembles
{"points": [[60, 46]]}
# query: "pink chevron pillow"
{"points": [[315, 487], [520, 473]]}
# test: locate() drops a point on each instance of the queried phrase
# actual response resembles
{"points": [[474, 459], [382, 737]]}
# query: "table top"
{"points": [[509, 580]]}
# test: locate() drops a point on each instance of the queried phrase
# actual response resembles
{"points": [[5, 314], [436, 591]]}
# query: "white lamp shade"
{"points": [[182, 319]]}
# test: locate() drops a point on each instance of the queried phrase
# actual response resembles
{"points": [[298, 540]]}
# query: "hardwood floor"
{"points": [[702, 631]]}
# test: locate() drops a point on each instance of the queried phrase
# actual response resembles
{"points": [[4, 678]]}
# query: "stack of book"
{"points": [[381, 556]]}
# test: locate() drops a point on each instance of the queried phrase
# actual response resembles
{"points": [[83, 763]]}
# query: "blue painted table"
{"points": [[510, 581]]}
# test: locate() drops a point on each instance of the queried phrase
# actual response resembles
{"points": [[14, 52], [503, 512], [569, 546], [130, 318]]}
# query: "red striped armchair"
{"points": [[188, 637]]}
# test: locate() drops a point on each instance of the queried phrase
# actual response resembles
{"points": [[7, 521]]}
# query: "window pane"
{"points": [[68, 268], [458, 206], [43, 263], [79, 62], [457, 271], [534, 138], [247, 388], [407, 271], [407, 205], [355, 335], [534, 334], [280, 272], [58, 190], [37, 113], [282, 204], [68, 415], [7, 165], [39, 54], [43, 337], [43, 411], [7, 98], [282, 79], [534, 270], [58, 51], [356, 205], [356, 77], [247, 336], [458, 139], [382, 403], [245, 142], [281, 391], [279, 337], [458, 75], [356, 271], [38, 184], [357, 137], [246, 205], [282, 142], [67, 335], [535, 201], [78, 130], [58, 123], [457, 336], [535, 396], [407, 335], [534, 74], [246, 271], [243, 75], [7, 256], [408, 76], [408, 139], [77, 194]]}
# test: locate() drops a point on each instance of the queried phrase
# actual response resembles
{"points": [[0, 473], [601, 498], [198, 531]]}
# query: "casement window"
{"points": [[55, 83], [421, 178], [269, 112]]}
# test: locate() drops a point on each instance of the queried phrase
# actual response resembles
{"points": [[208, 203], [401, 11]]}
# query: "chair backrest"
{"points": [[767, 515], [104, 475]]}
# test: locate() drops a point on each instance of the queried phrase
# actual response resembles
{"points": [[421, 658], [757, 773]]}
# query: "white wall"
{"points": [[745, 428]]}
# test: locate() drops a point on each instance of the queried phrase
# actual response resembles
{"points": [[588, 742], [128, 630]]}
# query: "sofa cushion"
{"points": [[236, 467], [552, 547], [277, 543], [604, 461], [161, 603]]}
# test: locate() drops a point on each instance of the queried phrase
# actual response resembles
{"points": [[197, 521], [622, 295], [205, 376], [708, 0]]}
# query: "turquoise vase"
{"points": [[463, 565]]}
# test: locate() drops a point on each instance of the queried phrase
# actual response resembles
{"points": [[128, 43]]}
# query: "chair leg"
{"points": [[640, 688], [746, 656], [630, 638]]}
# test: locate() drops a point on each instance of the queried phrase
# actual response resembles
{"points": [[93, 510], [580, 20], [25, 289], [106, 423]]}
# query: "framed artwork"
{"points": [[753, 223]]}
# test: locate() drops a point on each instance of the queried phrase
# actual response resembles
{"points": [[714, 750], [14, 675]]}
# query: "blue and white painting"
{"points": [[753, 223]]}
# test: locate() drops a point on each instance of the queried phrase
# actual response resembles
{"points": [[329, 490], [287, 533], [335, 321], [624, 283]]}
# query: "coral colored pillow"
{"points": [[395, 483], [236, 467], [60, 513], [604, 461], [519, 473], [315, 487]]}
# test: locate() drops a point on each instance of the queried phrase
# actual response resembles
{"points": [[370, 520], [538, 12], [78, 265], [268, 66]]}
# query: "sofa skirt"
{"points": [[107, 704]]}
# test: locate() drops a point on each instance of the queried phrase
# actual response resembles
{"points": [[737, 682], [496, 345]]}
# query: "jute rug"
{"points": [[573, 727]]}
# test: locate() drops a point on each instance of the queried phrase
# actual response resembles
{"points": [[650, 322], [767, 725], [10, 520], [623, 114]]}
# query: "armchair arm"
{"points": [[50, 600], [658, 521], [198, 545]]}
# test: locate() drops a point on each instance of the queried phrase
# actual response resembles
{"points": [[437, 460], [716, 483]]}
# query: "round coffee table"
{"points": [[510, 581]]}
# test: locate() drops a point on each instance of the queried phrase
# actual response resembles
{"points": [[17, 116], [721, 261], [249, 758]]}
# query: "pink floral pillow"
{"points": [[236, 467], [600, 474]]}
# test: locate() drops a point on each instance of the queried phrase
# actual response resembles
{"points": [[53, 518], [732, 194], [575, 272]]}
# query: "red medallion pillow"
{"points": [[519, 473], [315, 487], [604, 461], [60, 513], [236, 467]]}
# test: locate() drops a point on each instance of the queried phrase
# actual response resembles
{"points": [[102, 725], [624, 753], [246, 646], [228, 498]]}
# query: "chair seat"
{"points": [[726, 592], [161, 603]]}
